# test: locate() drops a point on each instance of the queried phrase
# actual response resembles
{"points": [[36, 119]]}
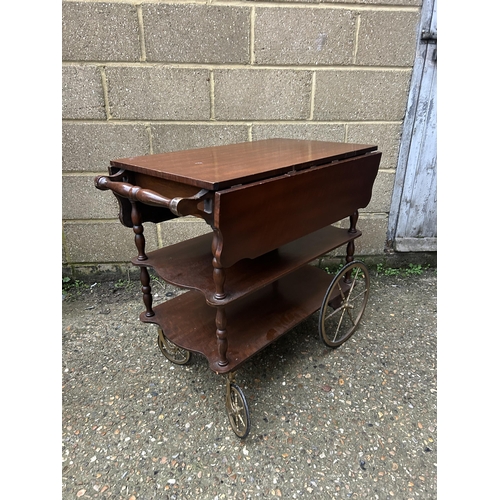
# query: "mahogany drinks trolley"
{"points": [[271, 205]]}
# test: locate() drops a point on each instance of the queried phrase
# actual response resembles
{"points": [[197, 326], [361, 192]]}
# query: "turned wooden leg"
{"points": [[140, 243], [350, 246], [146, 292], [221, 332], [219, 273], [219, 280], [350, 252], [353, 220], [219, 276]]}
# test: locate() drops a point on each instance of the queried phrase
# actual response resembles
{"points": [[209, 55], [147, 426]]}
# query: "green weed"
{"points": [[411, 270], [73, 286], [124, 284], [330, 270]]}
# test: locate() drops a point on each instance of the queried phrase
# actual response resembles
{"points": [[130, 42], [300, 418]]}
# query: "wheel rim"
{"points": [[237, 411], [172, 352], [344, 304]]}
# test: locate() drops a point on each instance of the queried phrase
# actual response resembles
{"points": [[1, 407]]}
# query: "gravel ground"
{"points": [[356, 422]]}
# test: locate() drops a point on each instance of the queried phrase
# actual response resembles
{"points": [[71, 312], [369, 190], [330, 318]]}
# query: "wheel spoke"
{"points": [[352, 285], [234, 405], [341, 291], [339, 324], [349, 313], [240, 419], [333, 312], [360, 294]]}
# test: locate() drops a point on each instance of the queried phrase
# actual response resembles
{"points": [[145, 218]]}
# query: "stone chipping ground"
{"points": [[357, 422]]}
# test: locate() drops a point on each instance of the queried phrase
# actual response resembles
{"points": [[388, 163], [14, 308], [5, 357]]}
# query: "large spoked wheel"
{"points": [[171, 351], [237, 411], [344, 304]]}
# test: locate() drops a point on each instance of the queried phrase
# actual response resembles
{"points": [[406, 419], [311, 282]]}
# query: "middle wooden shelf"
{"points": [[188, 264]]}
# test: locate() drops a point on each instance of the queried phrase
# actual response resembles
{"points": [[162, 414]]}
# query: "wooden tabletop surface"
{"points": [[219, 167]]}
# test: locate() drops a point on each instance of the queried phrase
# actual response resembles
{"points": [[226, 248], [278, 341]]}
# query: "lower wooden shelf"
{"points": [[253, 322]]}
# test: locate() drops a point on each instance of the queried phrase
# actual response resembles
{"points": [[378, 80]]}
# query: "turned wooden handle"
{"points": [[133, 193], [178, 205]]}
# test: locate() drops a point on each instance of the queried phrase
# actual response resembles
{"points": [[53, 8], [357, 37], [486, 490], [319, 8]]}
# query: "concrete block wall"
{"points": [[144, 77]]}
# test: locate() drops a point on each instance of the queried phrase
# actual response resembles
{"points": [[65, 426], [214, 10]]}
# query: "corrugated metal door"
{"points": [[413, 217]]}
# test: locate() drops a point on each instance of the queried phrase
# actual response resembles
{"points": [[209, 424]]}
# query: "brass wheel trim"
{"points": [[348, 302], [172, 352], [237, 408]]}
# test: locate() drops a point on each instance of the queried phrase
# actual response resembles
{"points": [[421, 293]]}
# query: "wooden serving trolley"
{"points": [[270, 205]]}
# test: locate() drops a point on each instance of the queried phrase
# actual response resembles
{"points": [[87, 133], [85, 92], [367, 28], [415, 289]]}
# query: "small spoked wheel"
{"points": [[173, 353], [237, 411], [344, 304]]}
